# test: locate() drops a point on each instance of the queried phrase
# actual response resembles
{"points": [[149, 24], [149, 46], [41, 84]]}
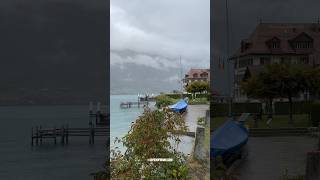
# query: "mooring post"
{"points": [[98, 113], [55, 135], [62, 134], [199, 152], [40, 134], [90, 134], [31, 136], [90, 111], [67, 134], [37, 135]]}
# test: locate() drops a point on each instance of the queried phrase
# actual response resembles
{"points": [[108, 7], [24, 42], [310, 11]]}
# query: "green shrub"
{"points": [[200, 121], [149, 137], [164, 100], [198, 101]]}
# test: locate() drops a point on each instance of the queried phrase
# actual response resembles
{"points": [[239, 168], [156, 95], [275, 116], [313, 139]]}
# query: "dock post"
{"points": [[62, 134], [90, 111], [98, 113], [40, 134], [89, 131], [55, 135], [67, 134], [92, 132], [37, 135], [31, 136]]}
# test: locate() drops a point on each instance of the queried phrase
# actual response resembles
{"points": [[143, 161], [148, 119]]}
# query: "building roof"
{"points": [[257, 43], [193, 71]]}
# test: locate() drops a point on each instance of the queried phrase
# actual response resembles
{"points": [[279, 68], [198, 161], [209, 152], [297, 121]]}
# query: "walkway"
{"points": [[269, 157], [192, 115]]}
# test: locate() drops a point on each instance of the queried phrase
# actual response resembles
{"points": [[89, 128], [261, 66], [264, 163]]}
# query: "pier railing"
{"points": [[38, 134]]}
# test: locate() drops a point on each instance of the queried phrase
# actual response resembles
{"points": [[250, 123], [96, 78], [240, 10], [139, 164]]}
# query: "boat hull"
{"points": [[228, 140], [179, 107]]}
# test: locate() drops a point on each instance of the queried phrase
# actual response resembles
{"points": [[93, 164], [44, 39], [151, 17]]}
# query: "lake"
{"points": [[122, 118], [19, 160]]}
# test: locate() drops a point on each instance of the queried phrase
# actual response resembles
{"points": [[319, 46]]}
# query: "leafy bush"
{"points": [[198, 101], [149, 137], [200, 121], [163, 101]]}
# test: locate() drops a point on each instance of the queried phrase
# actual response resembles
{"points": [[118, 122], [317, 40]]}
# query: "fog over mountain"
{"points": [[148, 38], [142, 73]]}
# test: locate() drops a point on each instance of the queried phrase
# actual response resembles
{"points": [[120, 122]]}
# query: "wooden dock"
{"points": [[134, 104], [98, 126], [39, 134]]}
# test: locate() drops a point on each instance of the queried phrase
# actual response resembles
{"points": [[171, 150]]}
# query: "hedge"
{"points": [[315, 114], [297, 108], [222, 109]]}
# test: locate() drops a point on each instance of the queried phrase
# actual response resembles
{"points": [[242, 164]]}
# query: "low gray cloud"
{"points": [[167, 29]]}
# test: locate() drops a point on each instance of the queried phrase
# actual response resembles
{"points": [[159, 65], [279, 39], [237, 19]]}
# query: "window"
{"points": [[303, 45], [265, 60], [304, 60], [204, 74], [195, 75], [275, 45], [285, 60], [245, 62]]}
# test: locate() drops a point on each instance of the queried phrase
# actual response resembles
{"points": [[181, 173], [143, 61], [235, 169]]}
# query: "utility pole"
{"points": [[181, 79], [227, 60]]}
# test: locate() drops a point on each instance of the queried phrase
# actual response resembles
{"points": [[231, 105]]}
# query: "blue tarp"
{"points": [[180, 106], [228, 138]]}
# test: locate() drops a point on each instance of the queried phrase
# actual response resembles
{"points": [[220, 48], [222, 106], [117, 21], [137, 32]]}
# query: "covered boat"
{"points": [[180, 106], [228, 139]]}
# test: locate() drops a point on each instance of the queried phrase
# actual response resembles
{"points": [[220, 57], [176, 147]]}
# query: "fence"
{"points": [[279, 108]]}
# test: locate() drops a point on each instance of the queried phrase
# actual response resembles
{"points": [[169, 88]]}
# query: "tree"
{"points": [[263, 86], [164, 100], [282, 80], [289, 78], [198, 87], [310, 81]]}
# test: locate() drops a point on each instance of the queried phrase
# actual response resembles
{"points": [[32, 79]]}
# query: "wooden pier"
{"points": [[133, 104], [39, 134], [98, 126]]}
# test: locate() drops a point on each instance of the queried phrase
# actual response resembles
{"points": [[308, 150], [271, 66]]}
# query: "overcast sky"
{"points": [[53, 51], [159, 32]]}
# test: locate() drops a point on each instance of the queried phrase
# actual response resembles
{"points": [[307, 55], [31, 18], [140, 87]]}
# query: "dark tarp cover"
{"points": [[180, 106], [228, 138]]}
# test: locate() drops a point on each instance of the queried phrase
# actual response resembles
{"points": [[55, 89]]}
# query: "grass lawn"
{"points": [[196, 101], [279, 121]]}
